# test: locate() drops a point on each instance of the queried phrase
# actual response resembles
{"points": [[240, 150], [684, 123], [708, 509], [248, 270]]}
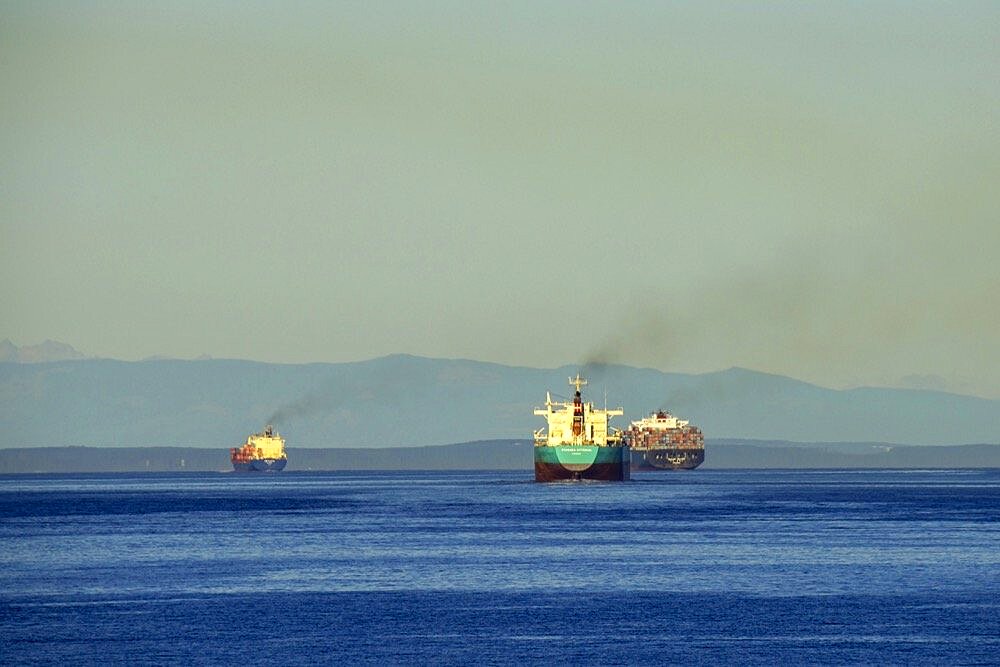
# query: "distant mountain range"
{"points": [[49, 350], [406, 400]]}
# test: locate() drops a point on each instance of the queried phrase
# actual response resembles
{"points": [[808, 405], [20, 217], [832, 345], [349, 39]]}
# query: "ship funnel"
{"points": [[577, 405]]}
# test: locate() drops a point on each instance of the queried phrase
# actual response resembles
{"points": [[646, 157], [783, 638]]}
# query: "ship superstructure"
{"points": [[263, 452], [664, 442], [579, 443]]}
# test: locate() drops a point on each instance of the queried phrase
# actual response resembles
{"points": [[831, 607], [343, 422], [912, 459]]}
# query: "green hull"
{"points": [[563, 462]]}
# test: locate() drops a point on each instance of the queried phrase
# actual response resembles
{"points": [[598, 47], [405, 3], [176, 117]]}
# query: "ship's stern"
{"points": [[558, 463]]}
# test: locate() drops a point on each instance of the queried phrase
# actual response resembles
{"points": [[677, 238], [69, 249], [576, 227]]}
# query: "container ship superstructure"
{"points": [[579, 444], [664, 442], [263, 452]]}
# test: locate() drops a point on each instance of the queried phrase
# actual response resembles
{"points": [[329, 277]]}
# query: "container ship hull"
{"points": [[557, 463], [667, 458], [260, 465]]}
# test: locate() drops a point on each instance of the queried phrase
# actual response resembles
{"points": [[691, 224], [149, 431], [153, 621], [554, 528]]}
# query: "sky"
{"points": [[803, 188]]}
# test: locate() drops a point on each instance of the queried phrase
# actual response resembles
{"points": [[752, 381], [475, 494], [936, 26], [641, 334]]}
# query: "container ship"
{"points": [[664, 442], [263, 452], [579, 444]]}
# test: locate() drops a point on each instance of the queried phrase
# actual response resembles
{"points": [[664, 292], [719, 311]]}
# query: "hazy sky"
{"points": [[811, 189]]}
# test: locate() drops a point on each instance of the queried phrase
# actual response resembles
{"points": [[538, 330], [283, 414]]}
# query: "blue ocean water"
{"points": [[703, 567]]}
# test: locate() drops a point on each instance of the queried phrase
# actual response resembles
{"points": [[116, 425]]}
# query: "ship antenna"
{"points": [[577, 382]]}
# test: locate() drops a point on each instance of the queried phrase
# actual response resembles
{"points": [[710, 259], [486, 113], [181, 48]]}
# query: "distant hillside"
{"points": [[49, 350], [514, 455], [405, 400], [762, 454]]}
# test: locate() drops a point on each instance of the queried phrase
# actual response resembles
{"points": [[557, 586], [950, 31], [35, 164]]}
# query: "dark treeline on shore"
{"points": [[490, 455]]}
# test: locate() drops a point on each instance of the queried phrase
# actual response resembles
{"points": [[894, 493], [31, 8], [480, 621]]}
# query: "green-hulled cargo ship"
{"points": [[579, 443]]}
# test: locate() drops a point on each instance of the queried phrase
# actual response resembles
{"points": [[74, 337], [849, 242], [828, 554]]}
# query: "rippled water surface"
{"points": [[711, 567]]}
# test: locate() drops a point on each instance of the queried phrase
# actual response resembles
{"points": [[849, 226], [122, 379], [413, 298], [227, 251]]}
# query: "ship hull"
{"points": [[581, 462], [260, 465], [667, 458]]}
